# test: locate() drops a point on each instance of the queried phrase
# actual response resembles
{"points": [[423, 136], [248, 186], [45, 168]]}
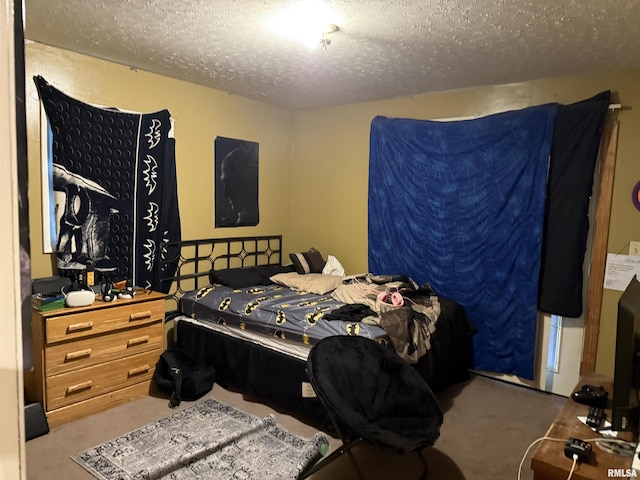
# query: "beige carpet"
{"points": [[487, 427]]}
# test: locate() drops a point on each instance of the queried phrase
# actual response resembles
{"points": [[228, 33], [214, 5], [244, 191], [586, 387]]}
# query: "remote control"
{"points": [[595, 418], [580, 448]]}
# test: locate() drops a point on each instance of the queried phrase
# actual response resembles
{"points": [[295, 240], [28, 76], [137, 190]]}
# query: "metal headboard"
{"points": [[192, 260]]}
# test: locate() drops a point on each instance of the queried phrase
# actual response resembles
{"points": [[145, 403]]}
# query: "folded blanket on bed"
{"points": [[410, 325]]}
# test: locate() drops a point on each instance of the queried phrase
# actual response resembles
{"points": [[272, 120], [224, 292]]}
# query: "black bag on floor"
{"points": [[181, 377]]}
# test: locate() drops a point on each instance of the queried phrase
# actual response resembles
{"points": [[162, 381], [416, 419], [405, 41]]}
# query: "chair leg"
{"points": [[355, 464], [345, 448], [425, 471]]}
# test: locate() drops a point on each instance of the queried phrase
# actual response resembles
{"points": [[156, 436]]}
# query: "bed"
{"points": [[228, 312]]}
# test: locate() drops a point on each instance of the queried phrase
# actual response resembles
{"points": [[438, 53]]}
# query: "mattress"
{"points": [[295, 350], [274, 310]]}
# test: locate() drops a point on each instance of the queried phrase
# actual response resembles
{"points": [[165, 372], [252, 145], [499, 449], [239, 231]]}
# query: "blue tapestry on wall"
{"points": [[460, 205]]}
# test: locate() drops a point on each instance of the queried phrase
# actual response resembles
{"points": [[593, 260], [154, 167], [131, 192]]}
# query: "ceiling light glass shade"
{"points": [[307, 21]]}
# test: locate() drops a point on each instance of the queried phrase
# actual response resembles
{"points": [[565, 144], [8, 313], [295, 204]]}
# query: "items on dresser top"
{"points": [[79, 298], [46, 303], [49, 286], [91, 358], [56, 292], [47, 292], [592, 395]]}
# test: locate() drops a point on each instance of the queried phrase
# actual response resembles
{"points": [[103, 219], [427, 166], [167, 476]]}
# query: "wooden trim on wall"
{"points": [[599, 249], [12, 443]]}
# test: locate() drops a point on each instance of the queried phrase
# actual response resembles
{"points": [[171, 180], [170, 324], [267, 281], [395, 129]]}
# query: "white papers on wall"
{"points": [[620, 270]]}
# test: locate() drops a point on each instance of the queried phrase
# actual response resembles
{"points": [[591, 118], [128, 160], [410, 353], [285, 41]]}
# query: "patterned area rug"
{"points": [[207, 440]]}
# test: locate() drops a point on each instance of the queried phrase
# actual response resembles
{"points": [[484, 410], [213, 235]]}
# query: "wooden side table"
{"points": [[89, 359], [549, 461]]}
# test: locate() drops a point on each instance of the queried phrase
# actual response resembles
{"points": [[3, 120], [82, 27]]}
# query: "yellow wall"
{"points": [[200, 115], [332, 144], [314, 163]]}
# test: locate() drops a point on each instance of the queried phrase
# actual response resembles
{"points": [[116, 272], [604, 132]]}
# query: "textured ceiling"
{"points": [[383, 49]]}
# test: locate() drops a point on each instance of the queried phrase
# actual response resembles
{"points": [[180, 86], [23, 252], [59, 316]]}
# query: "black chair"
{"points": [[372, 395]]}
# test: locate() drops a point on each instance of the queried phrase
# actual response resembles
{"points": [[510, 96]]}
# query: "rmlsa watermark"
{"points": [[622, 473]]}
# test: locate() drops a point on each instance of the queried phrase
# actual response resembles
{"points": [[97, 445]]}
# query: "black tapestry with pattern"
{"points": [[114, 180]]}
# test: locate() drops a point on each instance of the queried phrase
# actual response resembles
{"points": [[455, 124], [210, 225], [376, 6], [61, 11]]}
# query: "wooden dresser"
{"points": [[89, 359]]}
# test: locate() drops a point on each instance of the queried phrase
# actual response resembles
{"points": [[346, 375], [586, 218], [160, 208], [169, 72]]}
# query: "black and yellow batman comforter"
{"points": [[276, 310]]}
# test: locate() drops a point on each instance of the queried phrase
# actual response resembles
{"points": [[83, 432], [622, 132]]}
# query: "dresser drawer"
{"points": [[101, 320], [84, 383], [64, 357]]}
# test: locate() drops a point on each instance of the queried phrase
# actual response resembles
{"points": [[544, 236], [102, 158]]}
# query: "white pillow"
{"points": [[311, 282], [333, 267]]}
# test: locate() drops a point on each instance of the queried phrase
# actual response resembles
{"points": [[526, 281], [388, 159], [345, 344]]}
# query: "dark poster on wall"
{"points": [[236, 183]]}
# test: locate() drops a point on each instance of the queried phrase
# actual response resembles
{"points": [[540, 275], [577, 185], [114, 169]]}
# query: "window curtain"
{"points": [[460, 205], [576, 141], [115, 189]]}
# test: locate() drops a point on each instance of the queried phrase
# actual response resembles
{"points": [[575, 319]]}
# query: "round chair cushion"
{"points": [[375, 393]]}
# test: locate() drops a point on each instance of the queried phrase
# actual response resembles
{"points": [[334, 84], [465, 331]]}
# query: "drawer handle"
{"points": [[79, 387], [79, 326], [140, 315], [77, 355], [138, 370], [137, 341]]}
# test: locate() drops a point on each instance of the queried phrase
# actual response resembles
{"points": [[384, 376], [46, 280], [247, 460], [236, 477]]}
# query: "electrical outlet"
{"points": [[634, 249]]}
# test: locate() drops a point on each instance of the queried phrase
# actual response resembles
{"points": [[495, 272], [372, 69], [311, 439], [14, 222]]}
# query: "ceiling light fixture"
{"points": [[325, 41], [310, 22]]}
